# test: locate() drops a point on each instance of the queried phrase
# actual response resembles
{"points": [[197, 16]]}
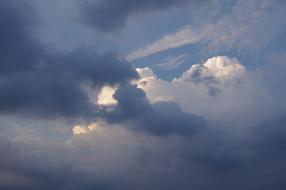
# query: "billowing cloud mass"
{"points": [[37, 81], [213, 88], [162, 118], [82, 117]]}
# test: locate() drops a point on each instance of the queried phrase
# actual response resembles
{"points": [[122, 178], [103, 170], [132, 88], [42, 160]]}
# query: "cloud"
{"points": [[220, 125], [108, 149], [105, 97], [173, 62], [43, 83], [219, 88], [112, 157], [241, 29], [110, 15], [19, 50], [161, 118], [178, 39], [219, 68]]}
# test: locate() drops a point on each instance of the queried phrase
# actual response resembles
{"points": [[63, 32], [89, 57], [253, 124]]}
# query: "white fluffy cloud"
{"points": [[219, 68], [219, 89], [105, 97]]}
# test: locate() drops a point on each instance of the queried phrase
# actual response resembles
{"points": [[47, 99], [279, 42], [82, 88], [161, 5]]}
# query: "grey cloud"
{"points": [[112, 15], [19, 50], [43, 167], [255, 160], [162, 118], [40, 82], [213, 159], [271, 136]]}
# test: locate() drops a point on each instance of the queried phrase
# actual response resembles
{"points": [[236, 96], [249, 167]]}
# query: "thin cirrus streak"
{"points": [[180, 38]]}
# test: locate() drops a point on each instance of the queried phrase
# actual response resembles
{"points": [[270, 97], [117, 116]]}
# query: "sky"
{"points": [[142, 94]]}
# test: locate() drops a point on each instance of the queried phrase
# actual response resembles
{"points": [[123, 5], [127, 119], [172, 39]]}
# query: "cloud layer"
{"points": [[84, 118]]}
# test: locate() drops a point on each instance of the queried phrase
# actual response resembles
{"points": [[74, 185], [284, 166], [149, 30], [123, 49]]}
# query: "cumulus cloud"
{"points": [[105, 97], [219, 88], [162, 118], [218, 68]]}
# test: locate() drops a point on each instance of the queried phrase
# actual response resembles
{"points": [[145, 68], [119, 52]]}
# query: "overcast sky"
{"points": [[142, 94]]}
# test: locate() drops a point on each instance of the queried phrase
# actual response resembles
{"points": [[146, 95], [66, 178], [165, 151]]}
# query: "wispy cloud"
{"points": [[180, 38], [174, 62], [241, 28]]}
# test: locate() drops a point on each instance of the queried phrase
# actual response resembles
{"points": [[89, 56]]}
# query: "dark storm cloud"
{"points": [[34, 168], [112, 15], [162, 118], [37, 81], [19, 51], [271, 138], [211, 160]]}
